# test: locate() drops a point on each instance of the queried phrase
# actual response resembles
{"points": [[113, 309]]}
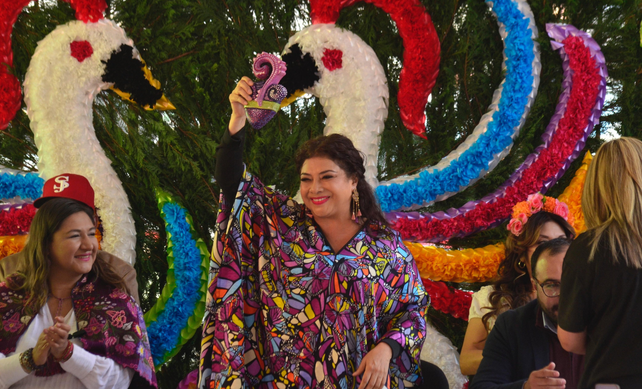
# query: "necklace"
{"points": [[59, 302]]}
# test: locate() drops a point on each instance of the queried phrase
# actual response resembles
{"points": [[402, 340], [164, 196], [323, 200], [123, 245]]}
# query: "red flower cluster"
{"points": [[81, 50], [332, 59], [88, 10], [584, 93], [10, 94], [10, 98], [16, 221], [454, 302], [421, 52]]}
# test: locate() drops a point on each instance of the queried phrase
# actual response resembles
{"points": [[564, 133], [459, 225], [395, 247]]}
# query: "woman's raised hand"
{"points": [[57, 337], [374, 367], [239, 98], [41, 350]]}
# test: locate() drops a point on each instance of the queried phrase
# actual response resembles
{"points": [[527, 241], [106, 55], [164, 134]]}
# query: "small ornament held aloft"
{"points": [[266, 95]]}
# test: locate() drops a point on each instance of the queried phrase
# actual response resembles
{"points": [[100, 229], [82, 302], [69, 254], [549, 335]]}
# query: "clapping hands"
{"points": [[56, 337]]}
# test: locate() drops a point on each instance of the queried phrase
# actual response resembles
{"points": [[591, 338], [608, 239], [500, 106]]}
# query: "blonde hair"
{"points": [[612, 200]]}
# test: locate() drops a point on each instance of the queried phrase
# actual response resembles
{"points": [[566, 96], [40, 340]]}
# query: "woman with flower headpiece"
{"points": [[601, 292], [67, 319], [536, 220], [315, 295]]}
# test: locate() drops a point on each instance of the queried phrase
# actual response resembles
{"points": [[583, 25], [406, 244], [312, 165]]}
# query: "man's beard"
{"points": [[551, 313]]}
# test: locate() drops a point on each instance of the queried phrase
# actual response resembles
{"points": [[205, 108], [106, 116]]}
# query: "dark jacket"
{"points": [[514, 348]]}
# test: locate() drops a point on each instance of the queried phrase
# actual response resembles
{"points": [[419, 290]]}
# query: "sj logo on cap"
{"points": [[63, 182]]}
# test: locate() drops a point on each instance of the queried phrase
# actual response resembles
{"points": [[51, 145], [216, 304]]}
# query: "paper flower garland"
{"points": [[10, 95], [451, 301], [467, 265], [13, 183], [16, 219], [88, 10], [572, 195], [493, 137], [481, 264], [578, 110], [11, 244], [17, 190], [178, 312]]}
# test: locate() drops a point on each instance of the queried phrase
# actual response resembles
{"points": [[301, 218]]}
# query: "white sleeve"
{"points": [[97, 372], [480, 304], [10, 370]]}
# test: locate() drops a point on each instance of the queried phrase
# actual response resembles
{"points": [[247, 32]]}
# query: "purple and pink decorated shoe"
{"points": [[268, 94]]}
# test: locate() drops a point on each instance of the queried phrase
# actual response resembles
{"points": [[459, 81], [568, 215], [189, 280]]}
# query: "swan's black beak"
{"points": [[133, 81]]}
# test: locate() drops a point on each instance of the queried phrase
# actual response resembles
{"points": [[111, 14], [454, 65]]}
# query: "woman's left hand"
{"points": [[57, 337], [374, 367]]}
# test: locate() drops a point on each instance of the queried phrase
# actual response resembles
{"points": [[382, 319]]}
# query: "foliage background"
{"points": [[198, 49]]}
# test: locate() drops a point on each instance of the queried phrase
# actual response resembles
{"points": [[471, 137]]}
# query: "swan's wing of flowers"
{"points": [[577, 112], [178, 312], [493, 137]]}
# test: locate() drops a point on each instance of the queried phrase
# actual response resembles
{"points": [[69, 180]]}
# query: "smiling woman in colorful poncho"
{"points": [[314, 295]]}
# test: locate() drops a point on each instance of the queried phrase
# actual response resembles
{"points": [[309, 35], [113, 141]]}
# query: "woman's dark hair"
{"points": [[513, 286], [341, 150], [35, 267]]}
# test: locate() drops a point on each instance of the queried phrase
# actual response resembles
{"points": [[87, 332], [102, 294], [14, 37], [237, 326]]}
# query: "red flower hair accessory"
{"points": [[533, 204]]}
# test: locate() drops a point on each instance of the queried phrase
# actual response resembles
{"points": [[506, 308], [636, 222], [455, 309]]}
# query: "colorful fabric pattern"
{"points": [[112, 320], [284, 310]]}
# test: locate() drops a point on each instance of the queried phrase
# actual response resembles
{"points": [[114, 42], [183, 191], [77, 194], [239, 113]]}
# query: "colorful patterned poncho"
{"points": [[285, 311]]}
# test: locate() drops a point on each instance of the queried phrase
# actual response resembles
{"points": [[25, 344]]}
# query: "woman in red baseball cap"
{"points": [[66, 317]]}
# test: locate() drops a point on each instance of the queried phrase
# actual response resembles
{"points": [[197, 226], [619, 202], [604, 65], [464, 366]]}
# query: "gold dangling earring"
{"points": [[356, 210]]}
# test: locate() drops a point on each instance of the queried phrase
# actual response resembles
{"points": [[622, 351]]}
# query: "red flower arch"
{"points": [[421, 52], [10, 93]]}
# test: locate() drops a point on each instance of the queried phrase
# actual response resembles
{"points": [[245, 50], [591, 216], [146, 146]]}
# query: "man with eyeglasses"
{"points": [[522, 351]]}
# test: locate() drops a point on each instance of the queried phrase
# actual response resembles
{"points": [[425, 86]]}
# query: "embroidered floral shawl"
{"points": [[112, 320], [284, 310]]}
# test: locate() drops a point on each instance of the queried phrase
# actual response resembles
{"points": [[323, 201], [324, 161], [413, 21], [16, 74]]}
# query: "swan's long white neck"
{"points": [[354, 97], [59, 92]]}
